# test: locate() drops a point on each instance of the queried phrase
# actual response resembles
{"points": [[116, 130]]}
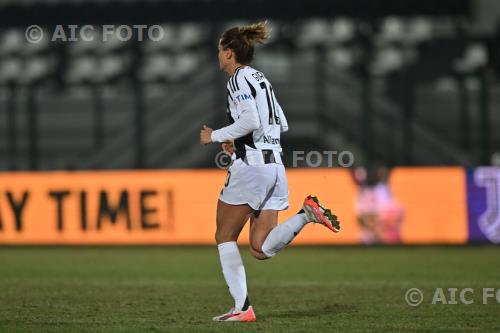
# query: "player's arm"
{"points": [[247, 123]]}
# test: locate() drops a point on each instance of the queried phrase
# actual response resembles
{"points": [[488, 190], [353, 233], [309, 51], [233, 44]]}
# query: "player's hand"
{"points": [[228, 147], [206, 135]]}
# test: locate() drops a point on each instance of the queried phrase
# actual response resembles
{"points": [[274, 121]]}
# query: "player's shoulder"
{"points": [[243, 78], [249, 74]]}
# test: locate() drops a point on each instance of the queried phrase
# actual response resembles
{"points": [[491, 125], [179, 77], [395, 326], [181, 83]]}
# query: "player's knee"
{"points": [[219, 237], [222, 236], [258, 254], [256, 246]]}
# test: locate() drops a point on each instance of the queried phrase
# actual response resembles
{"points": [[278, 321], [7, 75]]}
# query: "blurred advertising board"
{"points": [[483, 202], [410, 206]]}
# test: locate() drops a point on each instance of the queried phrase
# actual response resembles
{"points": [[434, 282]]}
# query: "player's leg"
{"points": [[261, 224], [230, 221], [268, 238]]}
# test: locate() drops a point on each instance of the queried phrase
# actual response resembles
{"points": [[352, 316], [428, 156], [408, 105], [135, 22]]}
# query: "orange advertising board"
{"points": [[178, 206]]}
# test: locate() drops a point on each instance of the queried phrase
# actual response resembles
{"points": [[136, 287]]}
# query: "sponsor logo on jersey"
{"points": [[271, 140], [243, 97], [258, 76]]}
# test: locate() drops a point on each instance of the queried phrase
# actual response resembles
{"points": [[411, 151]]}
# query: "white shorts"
{"points": [[260, 186]]}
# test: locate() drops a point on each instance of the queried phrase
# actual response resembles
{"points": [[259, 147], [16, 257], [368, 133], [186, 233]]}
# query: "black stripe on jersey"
{"points": [[228, 106], [252, 89], [273, 98], [230, 86], [235, 78], [269, 106], [233, 83]]}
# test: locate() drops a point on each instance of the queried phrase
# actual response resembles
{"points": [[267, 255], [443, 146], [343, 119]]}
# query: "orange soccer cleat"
{"points": [[316, 213], [235, 316]]}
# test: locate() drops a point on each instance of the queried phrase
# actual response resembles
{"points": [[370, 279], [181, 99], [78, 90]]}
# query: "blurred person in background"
{"points": [[379, 214]]}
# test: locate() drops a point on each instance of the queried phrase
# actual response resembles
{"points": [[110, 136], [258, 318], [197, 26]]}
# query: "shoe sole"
{"points": [[235, 321], [247, 317]]}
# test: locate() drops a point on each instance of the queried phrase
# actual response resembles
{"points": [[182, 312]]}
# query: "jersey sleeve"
{"points": [[247, 117], [283, 121], [243, 93], [246, 123]]}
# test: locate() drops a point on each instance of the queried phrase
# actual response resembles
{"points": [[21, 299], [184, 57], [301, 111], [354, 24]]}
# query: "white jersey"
{"points": [[250, 93], [256, 123]]}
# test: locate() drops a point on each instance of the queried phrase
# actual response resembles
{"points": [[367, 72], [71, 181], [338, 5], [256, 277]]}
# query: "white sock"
{"points": [[234, 272], [283, 234]]}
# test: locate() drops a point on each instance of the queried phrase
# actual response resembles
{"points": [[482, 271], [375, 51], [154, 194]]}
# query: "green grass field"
{"points": [[326, 289]]}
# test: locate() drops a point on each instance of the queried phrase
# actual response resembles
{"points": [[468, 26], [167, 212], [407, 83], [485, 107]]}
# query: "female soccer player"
{"points": [[256, 185]]}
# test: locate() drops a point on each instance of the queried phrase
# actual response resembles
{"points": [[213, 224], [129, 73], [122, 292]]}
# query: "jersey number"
{"points": [[273, 117]]}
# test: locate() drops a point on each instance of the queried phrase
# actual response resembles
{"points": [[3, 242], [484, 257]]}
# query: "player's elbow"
{"points": [[250, 120], [254, 123], [253, 127]]}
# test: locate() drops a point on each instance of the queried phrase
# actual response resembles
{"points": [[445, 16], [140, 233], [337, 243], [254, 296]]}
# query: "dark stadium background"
{"points": [[411, 88], [396, 82]]}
